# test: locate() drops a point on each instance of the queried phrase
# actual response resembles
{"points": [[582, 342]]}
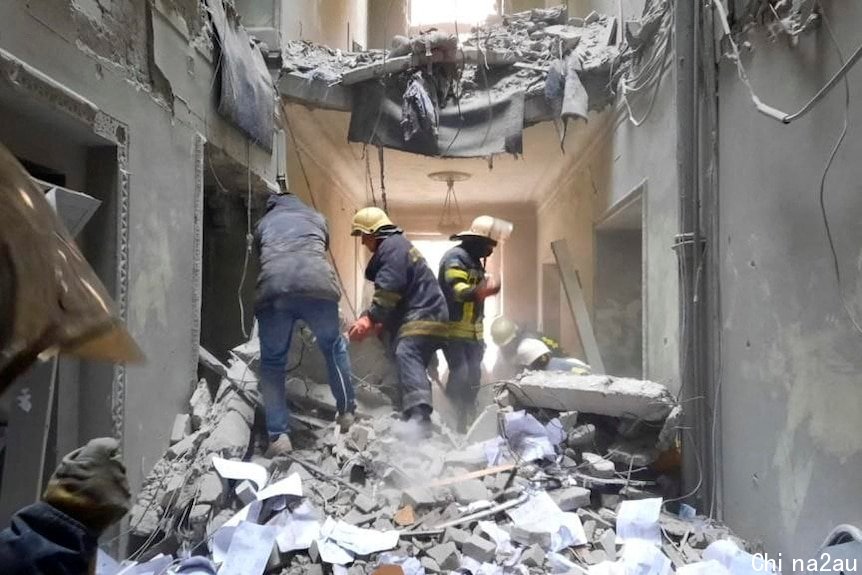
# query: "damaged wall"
{"points": [[791, 361], [333, 23], [144, 66], [386, 18], [612, 160]]}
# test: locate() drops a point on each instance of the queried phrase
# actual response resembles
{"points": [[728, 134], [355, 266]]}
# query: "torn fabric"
{"points": [[479, 130], [418, 111], [247, 97]]}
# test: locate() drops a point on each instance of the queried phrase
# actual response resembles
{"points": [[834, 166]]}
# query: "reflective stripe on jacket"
{"points": [[460, 274], [407, 299]]}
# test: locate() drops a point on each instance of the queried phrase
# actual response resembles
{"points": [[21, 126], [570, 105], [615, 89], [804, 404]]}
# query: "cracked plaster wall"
{"points": [[791, 364], [106, 51]]}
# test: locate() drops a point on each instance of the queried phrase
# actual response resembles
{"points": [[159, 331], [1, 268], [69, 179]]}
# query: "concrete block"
{"points": [[231, 436], [457, 536], [418, 497], [187, 446], [200, 404], [181, 428], [467, 492], [598, 466], [479, 548], [246, 492], [582, 437], [430, 565], [571, 498], [610, 501], [569, 419], [359, 436], [633, 453], [445, 555], [608, 543], [533, 556], [364, 503], [599, 394], [211, 488]]}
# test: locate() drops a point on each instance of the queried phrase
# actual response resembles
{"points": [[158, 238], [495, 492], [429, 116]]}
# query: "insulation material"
{"points": [[476, 130], [247, 97]]}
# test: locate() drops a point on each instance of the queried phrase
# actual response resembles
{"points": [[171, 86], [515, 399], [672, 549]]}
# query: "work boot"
{"points": [[281, 445], [421, 416], [345, 420]]}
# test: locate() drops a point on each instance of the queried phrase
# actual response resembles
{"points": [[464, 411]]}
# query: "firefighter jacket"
{"points": [[407, 299], [459, 277]]}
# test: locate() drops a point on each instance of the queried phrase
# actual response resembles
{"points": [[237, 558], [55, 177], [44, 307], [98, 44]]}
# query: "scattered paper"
{"points": [[712, 567], [359, 541], [735, 560], [220, 542], [607, 568], [339, 569], [296, 530], [644, 558], [289, 486], [409, 565], [249, 550], [229, 469], [527, 437], [540, 515], [330, 552], [638, 520], [505, 550], [555, 431], [495, 451], [155, 566], [105, 564]]}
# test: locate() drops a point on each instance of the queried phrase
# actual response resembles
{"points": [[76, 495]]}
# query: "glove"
{"points": [[487, 288], [90, 485], [362, 328]]}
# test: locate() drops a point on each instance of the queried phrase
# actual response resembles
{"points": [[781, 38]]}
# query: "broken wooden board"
{"points": [[473, 475], [577, 305]]}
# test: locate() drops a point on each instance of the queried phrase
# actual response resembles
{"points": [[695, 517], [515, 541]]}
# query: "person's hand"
{"points": [[90, 485], [362, 328], [487, 288]]}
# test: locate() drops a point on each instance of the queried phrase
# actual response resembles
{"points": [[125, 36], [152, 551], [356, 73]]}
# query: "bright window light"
{"points": [[424, 12]]}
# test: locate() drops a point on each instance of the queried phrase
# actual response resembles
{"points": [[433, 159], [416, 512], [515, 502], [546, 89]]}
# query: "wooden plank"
{"points": [[577, 305], [472, 475]]}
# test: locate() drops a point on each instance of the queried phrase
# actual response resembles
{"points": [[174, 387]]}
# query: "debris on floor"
{"points": [[565, 477]]}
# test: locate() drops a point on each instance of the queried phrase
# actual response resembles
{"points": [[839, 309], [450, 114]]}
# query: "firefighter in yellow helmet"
{"points": [[407, 303], [466, 285]]}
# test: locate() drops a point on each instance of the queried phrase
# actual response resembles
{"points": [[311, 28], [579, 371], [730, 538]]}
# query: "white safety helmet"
{"points": [[503, 331], [529, 350], [487, 227]]}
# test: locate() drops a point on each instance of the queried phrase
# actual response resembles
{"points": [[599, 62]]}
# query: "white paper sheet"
{"points": [[560, 564], [357, 540], [541, 515], [339, 569], [296, 530], [607, 568], [555, 431], [288, 486], [409, 565], [736, 560], [154, 566], [105, 564], [220, 542], [528, 437], [505, 549], [638, 519], [249, 550], [330, 552], [230, 469], [643, 558]]}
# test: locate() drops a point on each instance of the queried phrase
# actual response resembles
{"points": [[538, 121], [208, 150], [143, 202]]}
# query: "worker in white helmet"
{"points": [[534, 355], [507, 335], [466, 285]]}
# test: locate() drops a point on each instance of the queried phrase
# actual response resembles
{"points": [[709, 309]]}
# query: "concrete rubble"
{"points": [[545, 493]]}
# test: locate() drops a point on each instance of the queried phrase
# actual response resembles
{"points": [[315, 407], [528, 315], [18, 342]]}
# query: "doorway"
{"points": [[618, 301]]}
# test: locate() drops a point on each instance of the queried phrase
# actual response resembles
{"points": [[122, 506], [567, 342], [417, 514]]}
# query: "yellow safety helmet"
{"points": [[488, 227], [370, 221], [503, 331]]}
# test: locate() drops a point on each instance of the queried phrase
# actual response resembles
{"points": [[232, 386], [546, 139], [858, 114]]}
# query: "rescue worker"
{"points": [[297, 283], [506, 335], [534, 355], [50, 298], [407, 304], [465, 285]]}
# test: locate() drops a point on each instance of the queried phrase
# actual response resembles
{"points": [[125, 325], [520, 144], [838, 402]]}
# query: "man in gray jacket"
{"points": [[297, 282]]}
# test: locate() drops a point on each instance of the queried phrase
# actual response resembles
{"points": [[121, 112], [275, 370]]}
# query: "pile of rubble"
{"points": [[563, 474]]}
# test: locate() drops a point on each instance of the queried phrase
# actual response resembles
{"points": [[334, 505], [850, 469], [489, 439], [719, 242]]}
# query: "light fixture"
{"points": [[450, 217]]}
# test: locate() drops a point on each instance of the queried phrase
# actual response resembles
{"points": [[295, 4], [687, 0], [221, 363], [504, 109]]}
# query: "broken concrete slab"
{"points": [[633, 454], [533, 556], [467, 492], [479, 548], [582, 437], [571, 498], [598, 394], [458, 536], [445, 555], [364, 503], [181, 428], [597, 466], [419, 497]]}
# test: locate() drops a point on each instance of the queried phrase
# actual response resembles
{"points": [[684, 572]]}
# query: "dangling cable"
{"points": [[249, 240]]}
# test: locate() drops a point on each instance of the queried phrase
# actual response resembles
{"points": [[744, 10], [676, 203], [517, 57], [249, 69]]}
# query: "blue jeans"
{"points": [[412, 356], [275, 323], [465, 371]]}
